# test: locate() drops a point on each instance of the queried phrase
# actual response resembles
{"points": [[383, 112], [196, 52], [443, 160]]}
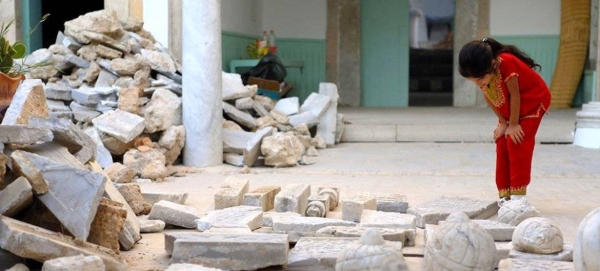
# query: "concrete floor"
{"points": [[565, 178]]}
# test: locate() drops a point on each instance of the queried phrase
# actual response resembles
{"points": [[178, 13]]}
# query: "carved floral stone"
{"points": [[460, 244], [587, 243], [514, 212], [537, 235], [371, 253]]}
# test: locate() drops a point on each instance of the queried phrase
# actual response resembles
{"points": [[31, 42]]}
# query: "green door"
{"points": [[384, 53]]}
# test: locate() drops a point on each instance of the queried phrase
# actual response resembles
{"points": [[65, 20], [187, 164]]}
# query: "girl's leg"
{"points": [[521, 155], [502, 168]]}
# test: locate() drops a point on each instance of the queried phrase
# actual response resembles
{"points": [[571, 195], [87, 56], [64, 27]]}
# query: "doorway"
{"points": [[431, 52], [59, 14]]}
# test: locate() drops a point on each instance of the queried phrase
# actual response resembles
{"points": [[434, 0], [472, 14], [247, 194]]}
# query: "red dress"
{"points": [[513, 161]]}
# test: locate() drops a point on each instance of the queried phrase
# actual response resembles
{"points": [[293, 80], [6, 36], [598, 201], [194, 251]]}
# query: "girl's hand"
{"points": [[515, 132], [500, 130]]}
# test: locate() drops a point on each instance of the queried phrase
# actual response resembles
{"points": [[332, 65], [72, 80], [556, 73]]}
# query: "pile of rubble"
{"points": [[124, 89]]}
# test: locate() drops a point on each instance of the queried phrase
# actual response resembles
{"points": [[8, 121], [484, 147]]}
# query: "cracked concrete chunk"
{"points": [[233, 251], [73, 196], [249, 217], [20, 134], [433, 211], [231, 193], [122, 125], [16, 197], [174, 214]]}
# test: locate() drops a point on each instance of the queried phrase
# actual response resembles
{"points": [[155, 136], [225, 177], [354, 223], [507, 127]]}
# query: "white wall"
{"points": [[156, 19], [295, 18], [524, 17], [241, 16]]}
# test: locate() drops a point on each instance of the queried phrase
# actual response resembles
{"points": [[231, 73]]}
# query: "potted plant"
{"points": [[11, 73]]}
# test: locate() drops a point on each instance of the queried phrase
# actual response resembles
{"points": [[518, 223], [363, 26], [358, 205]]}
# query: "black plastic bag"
{"points": [[269, 67]]}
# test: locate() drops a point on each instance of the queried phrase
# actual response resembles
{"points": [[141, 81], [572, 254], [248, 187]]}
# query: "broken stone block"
{"points": [[3, 161], [266, 102], [252, 149], [107, 224], [235, 141], [498, 230], [122, 125], [56, 106], [377, 219], [233, 251], [260, 109], [115, 146], [406, 236], [318, 206], [73, 196], [263, 197], [151, 226], [105, 79], [233, 88], [58, 91], [234, 217], [266, 121], [128, 100], [334, 195], [152, 197], [189, 267], [529, 265], [138, 161], [282, 149], [460, 244], [120, 173], [75, 263], [268, 217], [340, 127], [83, 113], [29, 101], [85, 96], [306, 117], [321, 253], [18, 267], [231, 193], [279, 117], [44, 72], [163, 111], [106, 52], [371, 252], [292, 198], [67, 134], [91, 73], [244, 103], [233, 159], [78, 61], [67, 41], [392, 203], [39, 244], [131, 230], [159, 61], [124, 67], [20, 134], [155, 170], [352, 208], [328, 121], [288, 106], [316, 103], [565, 255], [16, 197], [172, 140], [289, 224], [171, 237], [438, 209], [102, 22], [174, 214], [133, 195], [241, 117]]}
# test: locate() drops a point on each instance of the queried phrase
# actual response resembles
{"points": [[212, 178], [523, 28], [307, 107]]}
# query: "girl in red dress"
{"points": [[518, 96]]}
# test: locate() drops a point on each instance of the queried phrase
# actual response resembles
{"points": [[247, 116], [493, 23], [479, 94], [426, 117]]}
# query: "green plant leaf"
{"points": [[18, 50], [6, 65], [3, 47]]}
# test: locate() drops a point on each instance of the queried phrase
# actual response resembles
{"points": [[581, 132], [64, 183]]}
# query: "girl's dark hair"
{"points": [[475, 58]]}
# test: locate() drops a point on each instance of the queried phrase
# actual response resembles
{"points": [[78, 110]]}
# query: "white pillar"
{"points": [[202, 108]]}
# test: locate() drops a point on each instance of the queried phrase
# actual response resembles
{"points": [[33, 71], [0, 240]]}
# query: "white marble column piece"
{"points": [[202, 109], [587, 131]]}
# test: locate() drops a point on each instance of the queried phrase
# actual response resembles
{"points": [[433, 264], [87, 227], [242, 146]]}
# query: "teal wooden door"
{"points": [[384, 53]]}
